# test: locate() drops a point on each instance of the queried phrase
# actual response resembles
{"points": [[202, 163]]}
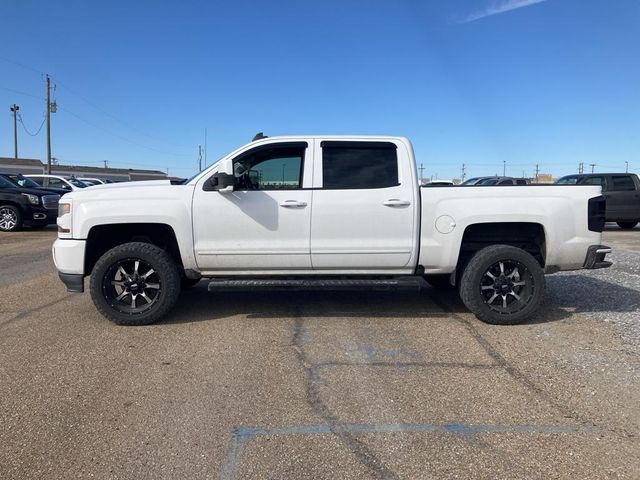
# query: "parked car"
{"points": [[25, 206], [323, 212], [92, 181], [58, 181], [474, 180], [497, 181], [438, 183], [504, 181], [25, 182], [621, 191]]}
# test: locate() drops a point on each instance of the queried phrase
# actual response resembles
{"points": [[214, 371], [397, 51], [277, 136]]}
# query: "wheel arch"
{"points": [[529, 236], [102, 238]]}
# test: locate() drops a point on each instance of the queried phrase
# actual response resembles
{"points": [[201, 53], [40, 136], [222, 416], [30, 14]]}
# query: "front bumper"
{"points": [[595, 257]]}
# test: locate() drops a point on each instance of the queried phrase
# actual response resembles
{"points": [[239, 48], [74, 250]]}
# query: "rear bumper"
{"points": [[596, 257]]}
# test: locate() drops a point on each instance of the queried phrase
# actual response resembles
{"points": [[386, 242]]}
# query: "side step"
{"points": [[388, 284]]}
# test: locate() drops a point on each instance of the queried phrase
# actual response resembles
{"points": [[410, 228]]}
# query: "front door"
{"points": [[264, 224], [622, 197]]}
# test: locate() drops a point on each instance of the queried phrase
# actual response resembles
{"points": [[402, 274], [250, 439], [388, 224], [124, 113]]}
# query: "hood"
{"points": [[132, 184], [33, 191]]}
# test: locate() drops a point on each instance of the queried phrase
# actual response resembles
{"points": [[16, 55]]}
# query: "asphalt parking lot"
{"points": [[319, 385]]}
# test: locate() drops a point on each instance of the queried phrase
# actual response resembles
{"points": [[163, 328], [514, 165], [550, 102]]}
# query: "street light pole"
{"points": [[504, 168]]}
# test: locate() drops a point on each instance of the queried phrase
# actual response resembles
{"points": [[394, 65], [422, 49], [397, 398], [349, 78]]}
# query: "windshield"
{"points": [[488, 181], [569, 180], [471, 181], [24, 181], [77, 183]]}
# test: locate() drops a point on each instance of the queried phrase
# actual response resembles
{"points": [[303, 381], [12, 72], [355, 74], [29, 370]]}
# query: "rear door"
{"points": [[623, 198], [364, 206]]}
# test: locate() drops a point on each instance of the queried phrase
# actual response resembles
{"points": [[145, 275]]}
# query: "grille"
{"points": [[50, 202]]}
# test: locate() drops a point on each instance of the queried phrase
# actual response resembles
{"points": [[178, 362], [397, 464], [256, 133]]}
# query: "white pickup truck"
{"points": [[323, 212]]}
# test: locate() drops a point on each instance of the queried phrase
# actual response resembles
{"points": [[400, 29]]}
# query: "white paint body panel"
{"points": [[347, 232], [562, 212]]}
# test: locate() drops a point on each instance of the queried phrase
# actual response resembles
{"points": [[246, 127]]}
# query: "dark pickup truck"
{"points": [[25, 206], [621, 191]]}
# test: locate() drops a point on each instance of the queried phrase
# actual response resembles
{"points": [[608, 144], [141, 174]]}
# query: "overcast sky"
{"points": [[552, 82]]}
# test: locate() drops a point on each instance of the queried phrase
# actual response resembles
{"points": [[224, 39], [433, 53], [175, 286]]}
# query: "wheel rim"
{"points": [[131, 286], [8, 218], [507, 287]]}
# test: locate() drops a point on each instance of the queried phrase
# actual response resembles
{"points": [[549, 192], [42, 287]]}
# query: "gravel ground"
{"points": [[609, 295]]}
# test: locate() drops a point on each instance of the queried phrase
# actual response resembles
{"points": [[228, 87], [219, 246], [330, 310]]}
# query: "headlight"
{"points": [[33, 199], [63, 209]]}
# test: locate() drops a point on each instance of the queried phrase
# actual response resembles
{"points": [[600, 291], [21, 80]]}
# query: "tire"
{"points": [[627, 225], [10, 218], [135, 284], [440, 281], [518, 291]]}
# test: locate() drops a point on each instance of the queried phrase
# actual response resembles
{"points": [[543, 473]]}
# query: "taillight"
{"points": [[596, 215]]}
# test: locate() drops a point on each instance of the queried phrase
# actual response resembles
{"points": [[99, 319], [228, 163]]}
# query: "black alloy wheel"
{"points": [[135, 283], [502, 285]]}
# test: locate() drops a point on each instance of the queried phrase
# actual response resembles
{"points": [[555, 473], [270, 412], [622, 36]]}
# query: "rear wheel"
{"points": [[135, 284], [627, 225], [10, 218], [502, 285]]}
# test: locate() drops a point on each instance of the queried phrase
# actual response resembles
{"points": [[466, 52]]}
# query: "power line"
{"points": [[104, 112], [18, 92], [120, 136], [25, 127]]}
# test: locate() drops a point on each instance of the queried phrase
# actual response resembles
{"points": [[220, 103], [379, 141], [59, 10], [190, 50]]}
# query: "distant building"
{"points": [[28, 166], [545, 178]]}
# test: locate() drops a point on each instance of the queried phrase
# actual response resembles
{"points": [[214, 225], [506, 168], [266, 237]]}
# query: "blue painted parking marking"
{"points": [[241, 435]]}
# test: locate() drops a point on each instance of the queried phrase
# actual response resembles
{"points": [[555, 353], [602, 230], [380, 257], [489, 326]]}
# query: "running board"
{"points": [[389, 284]]}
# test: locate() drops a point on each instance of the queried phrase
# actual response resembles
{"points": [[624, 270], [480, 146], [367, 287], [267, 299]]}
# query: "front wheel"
{"points": [[135, 284], [502, 285], [10, 218], [627, 225]]}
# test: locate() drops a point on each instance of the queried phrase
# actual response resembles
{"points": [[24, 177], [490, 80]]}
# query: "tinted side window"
{"points": [[593, 181], [348, 165], [270, 169], [622, 182], [38, 180], [5, 183], [521, 181]]}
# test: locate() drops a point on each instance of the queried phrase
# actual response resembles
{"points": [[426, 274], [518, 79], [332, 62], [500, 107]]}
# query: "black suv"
{"points": [[26, 182], [25, 206], [621, 190]]}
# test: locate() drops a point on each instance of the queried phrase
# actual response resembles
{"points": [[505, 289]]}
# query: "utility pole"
{"points": [[421, 170], [462, 174], [593, 165], [48, 125], [581, 168], [504, 168], [199, 158], [105, 163], [205, 148], [14, 108], [626, 168], [537, 172]]}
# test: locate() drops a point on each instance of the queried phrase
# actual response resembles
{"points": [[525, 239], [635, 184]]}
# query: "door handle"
{"points": [[395, 202], [293, 204]]}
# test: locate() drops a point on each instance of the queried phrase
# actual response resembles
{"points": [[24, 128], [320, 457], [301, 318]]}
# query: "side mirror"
{"points": [[222, 182]]}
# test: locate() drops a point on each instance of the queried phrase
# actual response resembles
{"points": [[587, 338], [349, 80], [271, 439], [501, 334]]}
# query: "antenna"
{"points": [[258, 136]]}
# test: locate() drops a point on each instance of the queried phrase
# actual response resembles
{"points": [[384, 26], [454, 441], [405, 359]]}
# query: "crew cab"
{"points": [[323, 212], [621, 191], [25, 206]]}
